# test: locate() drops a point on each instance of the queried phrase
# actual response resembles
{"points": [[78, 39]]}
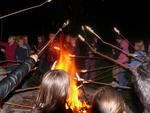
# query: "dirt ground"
{"points": [[26, 99]]}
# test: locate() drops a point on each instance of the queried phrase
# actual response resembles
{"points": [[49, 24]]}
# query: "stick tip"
{"points": [[82, 27], [89, 28], [49, 0], [81, 38], [116, 30]]}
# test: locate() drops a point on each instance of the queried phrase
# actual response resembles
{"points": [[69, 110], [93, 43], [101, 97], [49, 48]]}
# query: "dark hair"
{"points": [[53, 91]]}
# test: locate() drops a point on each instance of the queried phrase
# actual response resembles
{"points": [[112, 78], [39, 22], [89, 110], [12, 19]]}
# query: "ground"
{"points": [[26, 98]]}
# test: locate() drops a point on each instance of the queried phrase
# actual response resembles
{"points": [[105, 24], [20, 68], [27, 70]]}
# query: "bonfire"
{"points": [[66, 63]]}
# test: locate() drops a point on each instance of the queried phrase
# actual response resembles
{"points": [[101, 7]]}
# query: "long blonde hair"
{"points": [[53, 90], [107, 100]]}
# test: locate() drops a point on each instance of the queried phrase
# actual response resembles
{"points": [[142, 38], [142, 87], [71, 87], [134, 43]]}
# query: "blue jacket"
{"points": [[139, 55]]}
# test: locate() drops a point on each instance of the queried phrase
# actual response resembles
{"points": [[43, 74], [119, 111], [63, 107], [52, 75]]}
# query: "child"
{"points": [[122, 58], [9, 48], [41, 43], [90, 64], [139, 54], [21, 50]]}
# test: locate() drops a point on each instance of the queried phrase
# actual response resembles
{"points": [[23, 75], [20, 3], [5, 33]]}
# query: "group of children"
{"points": [[138, 56], [54, 87], [15, 48]]}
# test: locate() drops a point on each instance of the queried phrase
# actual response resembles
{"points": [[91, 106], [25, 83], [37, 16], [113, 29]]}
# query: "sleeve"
{"points": [[9, 83], [124, 45], [122, 58], [4, 44], [16, 54]]}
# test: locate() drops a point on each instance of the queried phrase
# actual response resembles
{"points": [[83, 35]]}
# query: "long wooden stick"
{"points": [[96, 69], [109, 84], [18, 105], [27, 89], [84, 57], [97, 77], [23, 10]]}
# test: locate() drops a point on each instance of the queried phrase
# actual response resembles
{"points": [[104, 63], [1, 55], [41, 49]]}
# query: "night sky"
{"points": [[132, 18]]}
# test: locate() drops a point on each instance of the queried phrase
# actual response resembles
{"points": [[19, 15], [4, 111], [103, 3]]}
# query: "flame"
{"points": [[66, 63]]}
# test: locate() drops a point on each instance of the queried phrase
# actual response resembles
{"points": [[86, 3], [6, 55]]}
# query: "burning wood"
{"points": [[66, 63]]}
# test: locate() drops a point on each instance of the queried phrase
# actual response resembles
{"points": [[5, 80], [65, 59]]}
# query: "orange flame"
{"points": [[67, 64]]}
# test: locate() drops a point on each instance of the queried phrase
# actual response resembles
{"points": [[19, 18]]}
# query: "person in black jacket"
{"points": [[8, 84]]}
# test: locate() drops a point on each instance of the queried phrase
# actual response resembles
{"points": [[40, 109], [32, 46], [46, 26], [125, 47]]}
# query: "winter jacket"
{"points": [[8, 84], [21, 53]]}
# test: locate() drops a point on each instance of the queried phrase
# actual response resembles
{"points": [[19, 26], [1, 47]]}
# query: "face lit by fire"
{"points": [[51, 35], [139, 46], [11, 40], [20, 42], [40, 40], [73, 42], [68, 38]]}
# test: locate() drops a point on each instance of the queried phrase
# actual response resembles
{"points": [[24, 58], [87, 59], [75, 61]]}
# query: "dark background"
{"points": [[130, 16]]}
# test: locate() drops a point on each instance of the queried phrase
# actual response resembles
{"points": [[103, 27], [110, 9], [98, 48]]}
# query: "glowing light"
{"points": [[116, 30], [67, 63], [49, 0], [89, 28], [81, 38]]}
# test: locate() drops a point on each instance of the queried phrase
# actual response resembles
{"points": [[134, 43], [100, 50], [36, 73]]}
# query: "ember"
{"points": [[67, 64]]}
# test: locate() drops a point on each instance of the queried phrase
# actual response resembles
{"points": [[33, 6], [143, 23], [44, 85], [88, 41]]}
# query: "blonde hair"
{"points": [[107, 100], [140, 45], [54, 90]]}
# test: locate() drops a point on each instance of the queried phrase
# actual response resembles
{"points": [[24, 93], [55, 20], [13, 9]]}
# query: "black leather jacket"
{"points": [[9, 83]]}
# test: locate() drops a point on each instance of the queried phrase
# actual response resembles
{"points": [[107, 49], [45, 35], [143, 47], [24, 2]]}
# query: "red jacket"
{"points": [[9, 50]]}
